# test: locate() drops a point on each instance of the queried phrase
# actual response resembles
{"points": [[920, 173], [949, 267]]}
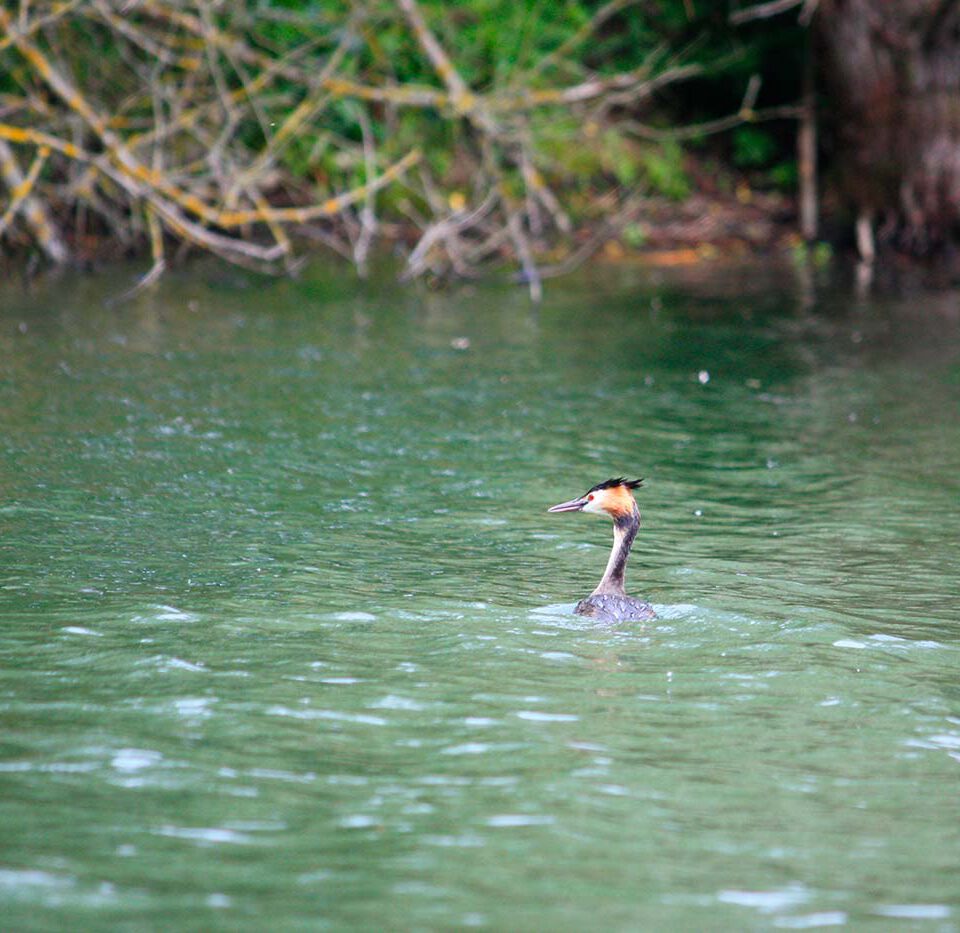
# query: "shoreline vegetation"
{"points": [[465, 137], [129, 127]]}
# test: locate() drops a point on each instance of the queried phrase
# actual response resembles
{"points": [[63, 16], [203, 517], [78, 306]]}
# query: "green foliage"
{"points": [[663, 170], [619, 157], [752, 147], [634, 235], [822, 254], [784, 175], [501, 49], [819, 254]]}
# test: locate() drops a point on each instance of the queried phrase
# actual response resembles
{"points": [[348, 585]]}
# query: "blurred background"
{"points": [[478, 138]]}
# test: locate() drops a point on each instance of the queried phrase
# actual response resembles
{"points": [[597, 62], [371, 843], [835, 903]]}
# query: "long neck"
{"points": [[624, 531]]}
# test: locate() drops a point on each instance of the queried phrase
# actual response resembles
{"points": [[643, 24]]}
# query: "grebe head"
{"points": [[611, 497]]}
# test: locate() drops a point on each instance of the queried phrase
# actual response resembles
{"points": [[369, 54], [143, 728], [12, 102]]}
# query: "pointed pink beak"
{"points": [[574, 505]]}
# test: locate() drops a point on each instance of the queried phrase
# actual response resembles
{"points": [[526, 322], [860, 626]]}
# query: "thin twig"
{"points": [[368, 217], [444, 229], [709, 127], [762, 11], [531, 275], [589, 28], [20, 187]]}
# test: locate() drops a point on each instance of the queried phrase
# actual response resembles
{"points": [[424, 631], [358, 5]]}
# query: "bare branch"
{"points": [[368, 218], [606, 12], [531, 275], [709, 127], [22, 200], [762, 11], [459, 92]]}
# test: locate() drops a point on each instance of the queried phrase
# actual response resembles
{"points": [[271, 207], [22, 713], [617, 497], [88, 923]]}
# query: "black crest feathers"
{"points": [[618, 481]]}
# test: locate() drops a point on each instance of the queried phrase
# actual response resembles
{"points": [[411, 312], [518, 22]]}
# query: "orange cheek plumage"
{"points": [[616, 501]]}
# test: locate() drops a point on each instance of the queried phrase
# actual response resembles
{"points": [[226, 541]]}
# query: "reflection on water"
{"points": [[287, 627]]}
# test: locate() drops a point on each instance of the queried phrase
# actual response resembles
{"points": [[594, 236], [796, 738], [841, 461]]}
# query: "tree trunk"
{"points": [[892, 69]]}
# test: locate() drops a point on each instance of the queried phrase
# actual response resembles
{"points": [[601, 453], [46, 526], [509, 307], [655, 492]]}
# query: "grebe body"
{"points": [[609, 602], [608, 607]]}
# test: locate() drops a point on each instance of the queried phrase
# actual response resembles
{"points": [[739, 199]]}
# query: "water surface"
{"points": [[286, 630]]}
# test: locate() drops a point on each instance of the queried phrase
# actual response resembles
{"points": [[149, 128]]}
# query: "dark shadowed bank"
{"points": [[892, 78], [484, 134]]}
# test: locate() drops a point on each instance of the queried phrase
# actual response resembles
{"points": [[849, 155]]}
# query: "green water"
{"points": [[286, 637]]}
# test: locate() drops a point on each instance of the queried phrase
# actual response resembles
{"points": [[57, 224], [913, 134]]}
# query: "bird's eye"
{"points": [[590, 498]]}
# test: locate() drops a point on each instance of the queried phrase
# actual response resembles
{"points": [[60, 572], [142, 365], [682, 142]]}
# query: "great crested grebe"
{"points": [[609, 601]]}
